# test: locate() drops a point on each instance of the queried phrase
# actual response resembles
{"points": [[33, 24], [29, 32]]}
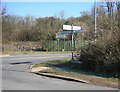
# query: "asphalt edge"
{"points": [[59, 76]]}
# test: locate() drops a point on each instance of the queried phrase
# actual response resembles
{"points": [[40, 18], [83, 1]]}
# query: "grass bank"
{"points": [[62, 67], [34, 52]]}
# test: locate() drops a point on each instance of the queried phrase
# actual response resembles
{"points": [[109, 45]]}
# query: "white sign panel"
{"points": [[66, 27], [69, 27], [76, 28]]}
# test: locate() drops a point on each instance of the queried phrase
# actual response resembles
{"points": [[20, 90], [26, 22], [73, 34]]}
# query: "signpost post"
{"points": [[72, 43]]}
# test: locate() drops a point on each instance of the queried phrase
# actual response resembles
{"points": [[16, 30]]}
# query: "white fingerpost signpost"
{"points": [[70, 29]]}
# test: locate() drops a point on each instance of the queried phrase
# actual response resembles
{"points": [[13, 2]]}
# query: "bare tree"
{"points": [[3, 9], [110, 8]]}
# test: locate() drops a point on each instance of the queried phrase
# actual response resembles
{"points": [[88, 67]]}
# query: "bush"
{"points": [[101, 58]]}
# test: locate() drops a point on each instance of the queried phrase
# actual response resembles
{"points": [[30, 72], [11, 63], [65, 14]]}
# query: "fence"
{"points": [[63, 45], [57, 45]]}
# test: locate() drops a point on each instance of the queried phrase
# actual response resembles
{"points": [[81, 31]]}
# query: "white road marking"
{"points": [[34, 58], [4, 55]]}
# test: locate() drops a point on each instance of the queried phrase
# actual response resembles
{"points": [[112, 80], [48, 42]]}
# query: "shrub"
{"points": [[101, 58]]}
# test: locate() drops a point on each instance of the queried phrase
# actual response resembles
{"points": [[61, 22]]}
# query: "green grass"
{"points": [[51, 63], [34, 52], [62, 67]]}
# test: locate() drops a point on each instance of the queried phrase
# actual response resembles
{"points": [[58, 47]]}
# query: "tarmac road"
{"points": [[16, 75]]}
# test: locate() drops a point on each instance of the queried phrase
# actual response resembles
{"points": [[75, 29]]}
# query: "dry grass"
{"points": [[33, 52]]}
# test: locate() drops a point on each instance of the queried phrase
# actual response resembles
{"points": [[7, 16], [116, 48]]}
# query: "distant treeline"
{"points": [[29, 28]]}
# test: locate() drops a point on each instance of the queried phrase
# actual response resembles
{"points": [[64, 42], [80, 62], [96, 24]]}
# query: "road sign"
{"points": [[62, 35], [79, 31], [69, 27], [76, 28], [66, 32], [74, 31], [66, 27]]}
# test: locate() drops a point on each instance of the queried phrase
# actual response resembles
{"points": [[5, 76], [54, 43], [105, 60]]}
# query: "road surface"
{"points": [[16, 75]]}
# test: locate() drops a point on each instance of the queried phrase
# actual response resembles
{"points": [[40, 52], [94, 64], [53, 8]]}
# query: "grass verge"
{"points": [[35, 52], [62, 67]]}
